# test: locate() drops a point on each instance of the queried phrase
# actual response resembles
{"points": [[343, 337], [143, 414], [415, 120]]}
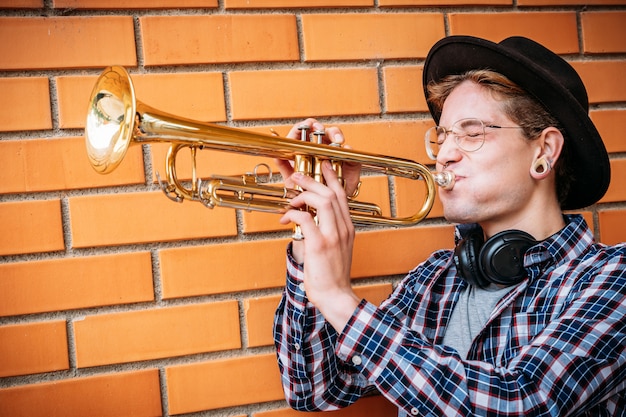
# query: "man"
{"points": [[526, 316]]}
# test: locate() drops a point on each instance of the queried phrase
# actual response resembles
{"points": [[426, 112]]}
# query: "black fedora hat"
{"points": [[551, 81]]}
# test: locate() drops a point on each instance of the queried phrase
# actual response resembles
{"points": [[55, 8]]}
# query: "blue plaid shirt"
{"points": [[554, 346]]}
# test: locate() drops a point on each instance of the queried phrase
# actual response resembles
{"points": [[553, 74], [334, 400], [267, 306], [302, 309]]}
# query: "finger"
{"points": [[286, 166], [333, 189], [333, 182], [286, 170], [309, 124], [329, 202], [334, 135], [351, 171]]}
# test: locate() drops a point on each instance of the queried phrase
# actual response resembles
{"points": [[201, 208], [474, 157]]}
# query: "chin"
{"points": [[461, 213]]}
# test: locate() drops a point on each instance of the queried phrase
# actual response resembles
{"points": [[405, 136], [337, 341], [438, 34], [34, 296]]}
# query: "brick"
{"points": [[349, 36], [368, 261], [604, 32], [134, 393], [33, 348], [24, 104], [611, 123], [568, 2], [66, 42], [370, 406], [157, 333], [256, 222], [179, 39], [227, 267], [612, 226], [59, 164], [72, 283], [73, 100], [118, 219], [410, 197], [604, 80], [132, 4], [540, 26], [30, 227], [617, 187], [375, 190], [196, 96], [24, 4], [403, 89], [401, 253], [439, 3], [256, 377], [261, 4], [254, 93], [259, 312], [398, 138]]}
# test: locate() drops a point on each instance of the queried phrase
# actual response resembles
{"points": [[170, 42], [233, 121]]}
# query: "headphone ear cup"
{"points": [[502, 257], [466, 258]]}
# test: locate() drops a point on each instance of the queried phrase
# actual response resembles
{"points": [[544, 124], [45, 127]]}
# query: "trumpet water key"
{"points": [[116, 119]]}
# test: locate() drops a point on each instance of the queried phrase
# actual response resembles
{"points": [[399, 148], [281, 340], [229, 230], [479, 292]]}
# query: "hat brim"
{"points": [[458, 54]]}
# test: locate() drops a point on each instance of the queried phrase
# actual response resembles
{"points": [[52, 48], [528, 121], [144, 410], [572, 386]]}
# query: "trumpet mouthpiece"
{"points": [[444, 179]]}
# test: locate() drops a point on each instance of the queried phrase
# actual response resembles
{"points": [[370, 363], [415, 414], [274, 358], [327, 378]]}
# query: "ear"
{"points": [[548, 149]]}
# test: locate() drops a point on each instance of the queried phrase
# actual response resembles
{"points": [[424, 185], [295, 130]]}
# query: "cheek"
{"points": [[505, 174], [506, 180]]}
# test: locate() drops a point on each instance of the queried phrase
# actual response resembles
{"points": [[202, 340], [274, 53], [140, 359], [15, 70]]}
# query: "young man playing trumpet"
{"points": [[526, 316]]}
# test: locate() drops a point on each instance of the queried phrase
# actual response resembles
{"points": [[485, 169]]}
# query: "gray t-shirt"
{"points": [[470, 315]]}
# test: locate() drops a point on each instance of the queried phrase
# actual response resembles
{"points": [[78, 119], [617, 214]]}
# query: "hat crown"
{"points": [[552, 65]]}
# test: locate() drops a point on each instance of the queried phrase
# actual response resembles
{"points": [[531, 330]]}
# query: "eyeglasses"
{"points": [[469, 135]]}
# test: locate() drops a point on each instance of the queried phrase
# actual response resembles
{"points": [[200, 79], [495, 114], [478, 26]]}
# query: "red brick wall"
{"points": [[115, 301]]}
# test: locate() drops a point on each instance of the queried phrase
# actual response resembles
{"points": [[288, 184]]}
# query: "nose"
{"points": [[449, 151]]}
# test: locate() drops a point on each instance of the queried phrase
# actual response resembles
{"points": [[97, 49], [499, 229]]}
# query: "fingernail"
{"points": [[338, 138]]}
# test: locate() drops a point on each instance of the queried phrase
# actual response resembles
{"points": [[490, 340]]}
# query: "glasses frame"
{"points": [[484, 125]]}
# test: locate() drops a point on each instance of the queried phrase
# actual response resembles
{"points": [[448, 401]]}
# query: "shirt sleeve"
{"points": [[313, 376]]}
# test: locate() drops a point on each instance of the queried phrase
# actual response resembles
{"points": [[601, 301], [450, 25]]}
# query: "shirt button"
{"points": [[296, 346], [414, 411], [357, 360], [301, 286]]}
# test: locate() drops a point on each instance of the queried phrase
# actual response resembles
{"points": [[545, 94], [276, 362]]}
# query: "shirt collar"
{"points": [[568, 243]]}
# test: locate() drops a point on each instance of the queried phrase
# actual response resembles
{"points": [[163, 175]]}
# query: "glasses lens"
{"points": [[469, 134], [434, 139]]}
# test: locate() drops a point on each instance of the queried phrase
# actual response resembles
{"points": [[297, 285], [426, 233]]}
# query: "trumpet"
{"points": [[116, 119]]}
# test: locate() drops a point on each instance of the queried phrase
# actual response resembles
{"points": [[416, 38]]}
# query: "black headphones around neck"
{"points": [[499, 260]]}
